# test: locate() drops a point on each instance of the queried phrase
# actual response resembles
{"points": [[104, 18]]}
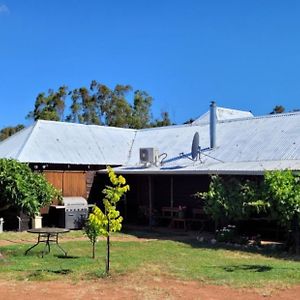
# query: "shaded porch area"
{"points": [[161, 200]]}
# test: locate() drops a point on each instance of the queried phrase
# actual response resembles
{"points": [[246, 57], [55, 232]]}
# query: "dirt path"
{"points": [[132, 287]]}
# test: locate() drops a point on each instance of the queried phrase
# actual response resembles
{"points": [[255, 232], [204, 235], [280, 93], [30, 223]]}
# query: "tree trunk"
{"points": [[107, 249], [296, 233], [94, 246], [107, 254]]}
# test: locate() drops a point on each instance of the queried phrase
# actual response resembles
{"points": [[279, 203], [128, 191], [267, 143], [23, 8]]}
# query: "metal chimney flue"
{"points": [[213, 124]]}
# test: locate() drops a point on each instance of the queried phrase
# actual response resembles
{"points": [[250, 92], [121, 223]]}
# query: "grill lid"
{"points": [[74, 202]]}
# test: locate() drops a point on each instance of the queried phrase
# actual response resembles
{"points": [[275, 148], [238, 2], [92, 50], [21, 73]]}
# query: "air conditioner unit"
{"points": [[148, 155]]}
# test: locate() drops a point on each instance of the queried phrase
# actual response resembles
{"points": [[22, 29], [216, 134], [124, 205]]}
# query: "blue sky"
{"points": [[242, 54]]}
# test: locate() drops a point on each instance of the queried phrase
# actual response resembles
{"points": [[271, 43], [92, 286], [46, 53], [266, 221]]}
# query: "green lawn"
{"points": [[189, 260]]}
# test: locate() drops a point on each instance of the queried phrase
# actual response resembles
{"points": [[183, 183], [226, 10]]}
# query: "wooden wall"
{"points": [[70, 183]]}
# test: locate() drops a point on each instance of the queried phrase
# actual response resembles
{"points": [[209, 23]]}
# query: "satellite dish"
{"points": [[195, 146]]}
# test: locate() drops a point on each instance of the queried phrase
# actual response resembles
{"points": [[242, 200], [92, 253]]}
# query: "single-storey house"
{"points": [[165, 166]]}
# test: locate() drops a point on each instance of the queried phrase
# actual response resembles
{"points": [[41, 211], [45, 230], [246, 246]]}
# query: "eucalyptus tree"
{"points": [[141, 110], [99, 105], [164, 121], [50, 106], [9, 131]]}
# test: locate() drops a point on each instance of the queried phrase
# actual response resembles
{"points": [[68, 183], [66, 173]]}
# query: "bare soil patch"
{"points": [[133, 287]]}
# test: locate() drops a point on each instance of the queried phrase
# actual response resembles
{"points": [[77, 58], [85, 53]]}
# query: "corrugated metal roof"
{"points": [[12, 147], [253, 139], [223, 114], [251, 145], [68, 143]]}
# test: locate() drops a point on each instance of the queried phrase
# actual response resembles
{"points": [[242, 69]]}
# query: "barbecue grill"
{"points": [[72, 214]]}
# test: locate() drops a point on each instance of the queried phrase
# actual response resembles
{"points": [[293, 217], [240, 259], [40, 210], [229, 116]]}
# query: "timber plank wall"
{"points": [[71, 183]]}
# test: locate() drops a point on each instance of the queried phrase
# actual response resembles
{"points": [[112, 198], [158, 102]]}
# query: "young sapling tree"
{"points": [[107, 221]]}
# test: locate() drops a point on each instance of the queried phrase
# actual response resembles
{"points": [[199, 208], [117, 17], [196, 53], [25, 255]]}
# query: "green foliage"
{"points": [[282, 191], [141, 116], [230, 198], [214, 198], [8, 131], [99, 105], [24, 189], [164, 121], [51, 106], [92, 231], [110, 220]]}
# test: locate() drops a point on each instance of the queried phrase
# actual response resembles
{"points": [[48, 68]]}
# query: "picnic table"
{"points": [[47, 235]]}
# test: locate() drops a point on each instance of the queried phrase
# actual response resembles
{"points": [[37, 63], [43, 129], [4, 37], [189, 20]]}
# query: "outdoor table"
{"points": [[169, 212], [47, 235]]}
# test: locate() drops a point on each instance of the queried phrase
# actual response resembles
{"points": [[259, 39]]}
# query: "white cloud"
{"points": [[4, 9]]}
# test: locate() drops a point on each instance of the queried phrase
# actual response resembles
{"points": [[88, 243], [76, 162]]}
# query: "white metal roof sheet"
{"points": [[242, 144], [223, 114], [69, 143], [13, 146], [266, 138]]}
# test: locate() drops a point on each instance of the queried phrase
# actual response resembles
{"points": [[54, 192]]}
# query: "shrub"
{"points": [[23, 189]]}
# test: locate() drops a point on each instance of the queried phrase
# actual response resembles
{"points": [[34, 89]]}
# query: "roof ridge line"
{"points": [[26, 141], [85, 125], [261, 117]]}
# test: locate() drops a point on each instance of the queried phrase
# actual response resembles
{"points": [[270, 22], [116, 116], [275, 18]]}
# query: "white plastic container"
{"points": [[37, 222]]}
